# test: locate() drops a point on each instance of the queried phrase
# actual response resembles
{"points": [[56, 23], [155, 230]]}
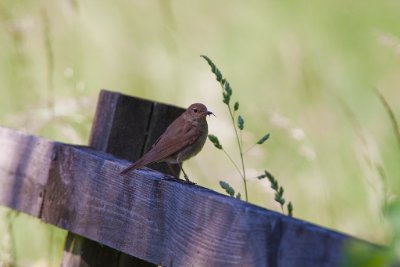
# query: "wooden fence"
{"points": [[140, 219]]}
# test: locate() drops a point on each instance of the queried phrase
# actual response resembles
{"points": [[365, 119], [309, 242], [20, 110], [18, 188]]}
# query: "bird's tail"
{"points": [[129, 168], [136, 165]]}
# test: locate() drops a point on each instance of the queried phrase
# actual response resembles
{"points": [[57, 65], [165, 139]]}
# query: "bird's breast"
{"points": [[194, 148]]}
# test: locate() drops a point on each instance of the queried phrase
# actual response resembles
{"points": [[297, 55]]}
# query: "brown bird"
{"points": [[183, 139]]}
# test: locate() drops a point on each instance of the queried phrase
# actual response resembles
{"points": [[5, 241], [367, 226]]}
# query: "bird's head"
{"points": [[198, 111]]}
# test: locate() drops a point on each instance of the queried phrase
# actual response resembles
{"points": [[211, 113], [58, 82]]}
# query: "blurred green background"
{"points": [[304, 71]]}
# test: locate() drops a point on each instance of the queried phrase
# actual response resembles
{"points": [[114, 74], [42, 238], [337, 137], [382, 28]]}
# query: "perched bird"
{"points": [[183, 139]]}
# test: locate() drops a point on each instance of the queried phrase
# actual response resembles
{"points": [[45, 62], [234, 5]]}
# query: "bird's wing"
{"points": [[177, 136], [174, 140], [176, 128]]}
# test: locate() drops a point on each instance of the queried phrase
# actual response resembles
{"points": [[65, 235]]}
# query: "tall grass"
{"points": [[284, 58]]}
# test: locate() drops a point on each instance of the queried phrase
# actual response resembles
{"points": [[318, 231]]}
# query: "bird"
{"points": [[184, 138]]}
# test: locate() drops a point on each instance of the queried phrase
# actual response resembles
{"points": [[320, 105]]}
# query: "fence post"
{"points": [[125, 127]]}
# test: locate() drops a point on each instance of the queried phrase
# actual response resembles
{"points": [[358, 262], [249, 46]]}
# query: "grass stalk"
{"points": [[49, 61], [391, 115], [233, 162], [240, 152]]}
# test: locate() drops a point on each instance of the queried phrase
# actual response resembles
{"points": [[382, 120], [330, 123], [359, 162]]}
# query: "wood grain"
{"points": [[161, 221], [174, 224], [24, 165], [120, 125]]}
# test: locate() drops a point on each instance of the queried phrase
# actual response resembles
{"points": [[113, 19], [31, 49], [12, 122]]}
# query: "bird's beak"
{"points": [[209, 113]]}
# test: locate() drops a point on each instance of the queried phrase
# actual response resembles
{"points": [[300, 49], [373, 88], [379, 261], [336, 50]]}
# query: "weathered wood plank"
{"points": [[161, 221], [83, 252], [174, 224], [120, 125], [24, 165]]}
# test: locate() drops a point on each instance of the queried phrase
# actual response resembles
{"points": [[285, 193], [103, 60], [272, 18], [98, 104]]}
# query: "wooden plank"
{"points": [[161, 221], [80, 251], [24, 165], [174, 224], [126, 127], [120, 125]]}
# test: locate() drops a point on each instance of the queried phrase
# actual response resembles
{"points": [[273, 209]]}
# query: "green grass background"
{"points": [[305, 71]]}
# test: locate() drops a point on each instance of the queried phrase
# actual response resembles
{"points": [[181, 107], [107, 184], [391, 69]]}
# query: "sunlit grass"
{"points": [[299, 69]]}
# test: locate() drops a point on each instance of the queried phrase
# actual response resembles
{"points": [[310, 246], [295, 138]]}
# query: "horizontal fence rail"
{"points": [[144, 215]]}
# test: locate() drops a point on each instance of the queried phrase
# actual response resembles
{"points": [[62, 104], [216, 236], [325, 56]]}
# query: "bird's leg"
{"points": [[173, 172], [185, 175], [175, 177]]}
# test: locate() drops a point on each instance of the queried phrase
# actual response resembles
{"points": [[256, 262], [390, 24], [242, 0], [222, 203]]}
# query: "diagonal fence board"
{"points": [[161, 221]]}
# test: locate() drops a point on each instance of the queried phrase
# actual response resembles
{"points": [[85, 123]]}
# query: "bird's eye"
{"points": [[195, 110]]}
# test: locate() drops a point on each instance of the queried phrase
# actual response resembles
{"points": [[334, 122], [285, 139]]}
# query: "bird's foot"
{"points": [[169, 177], [187, 179], [176, 179]]}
